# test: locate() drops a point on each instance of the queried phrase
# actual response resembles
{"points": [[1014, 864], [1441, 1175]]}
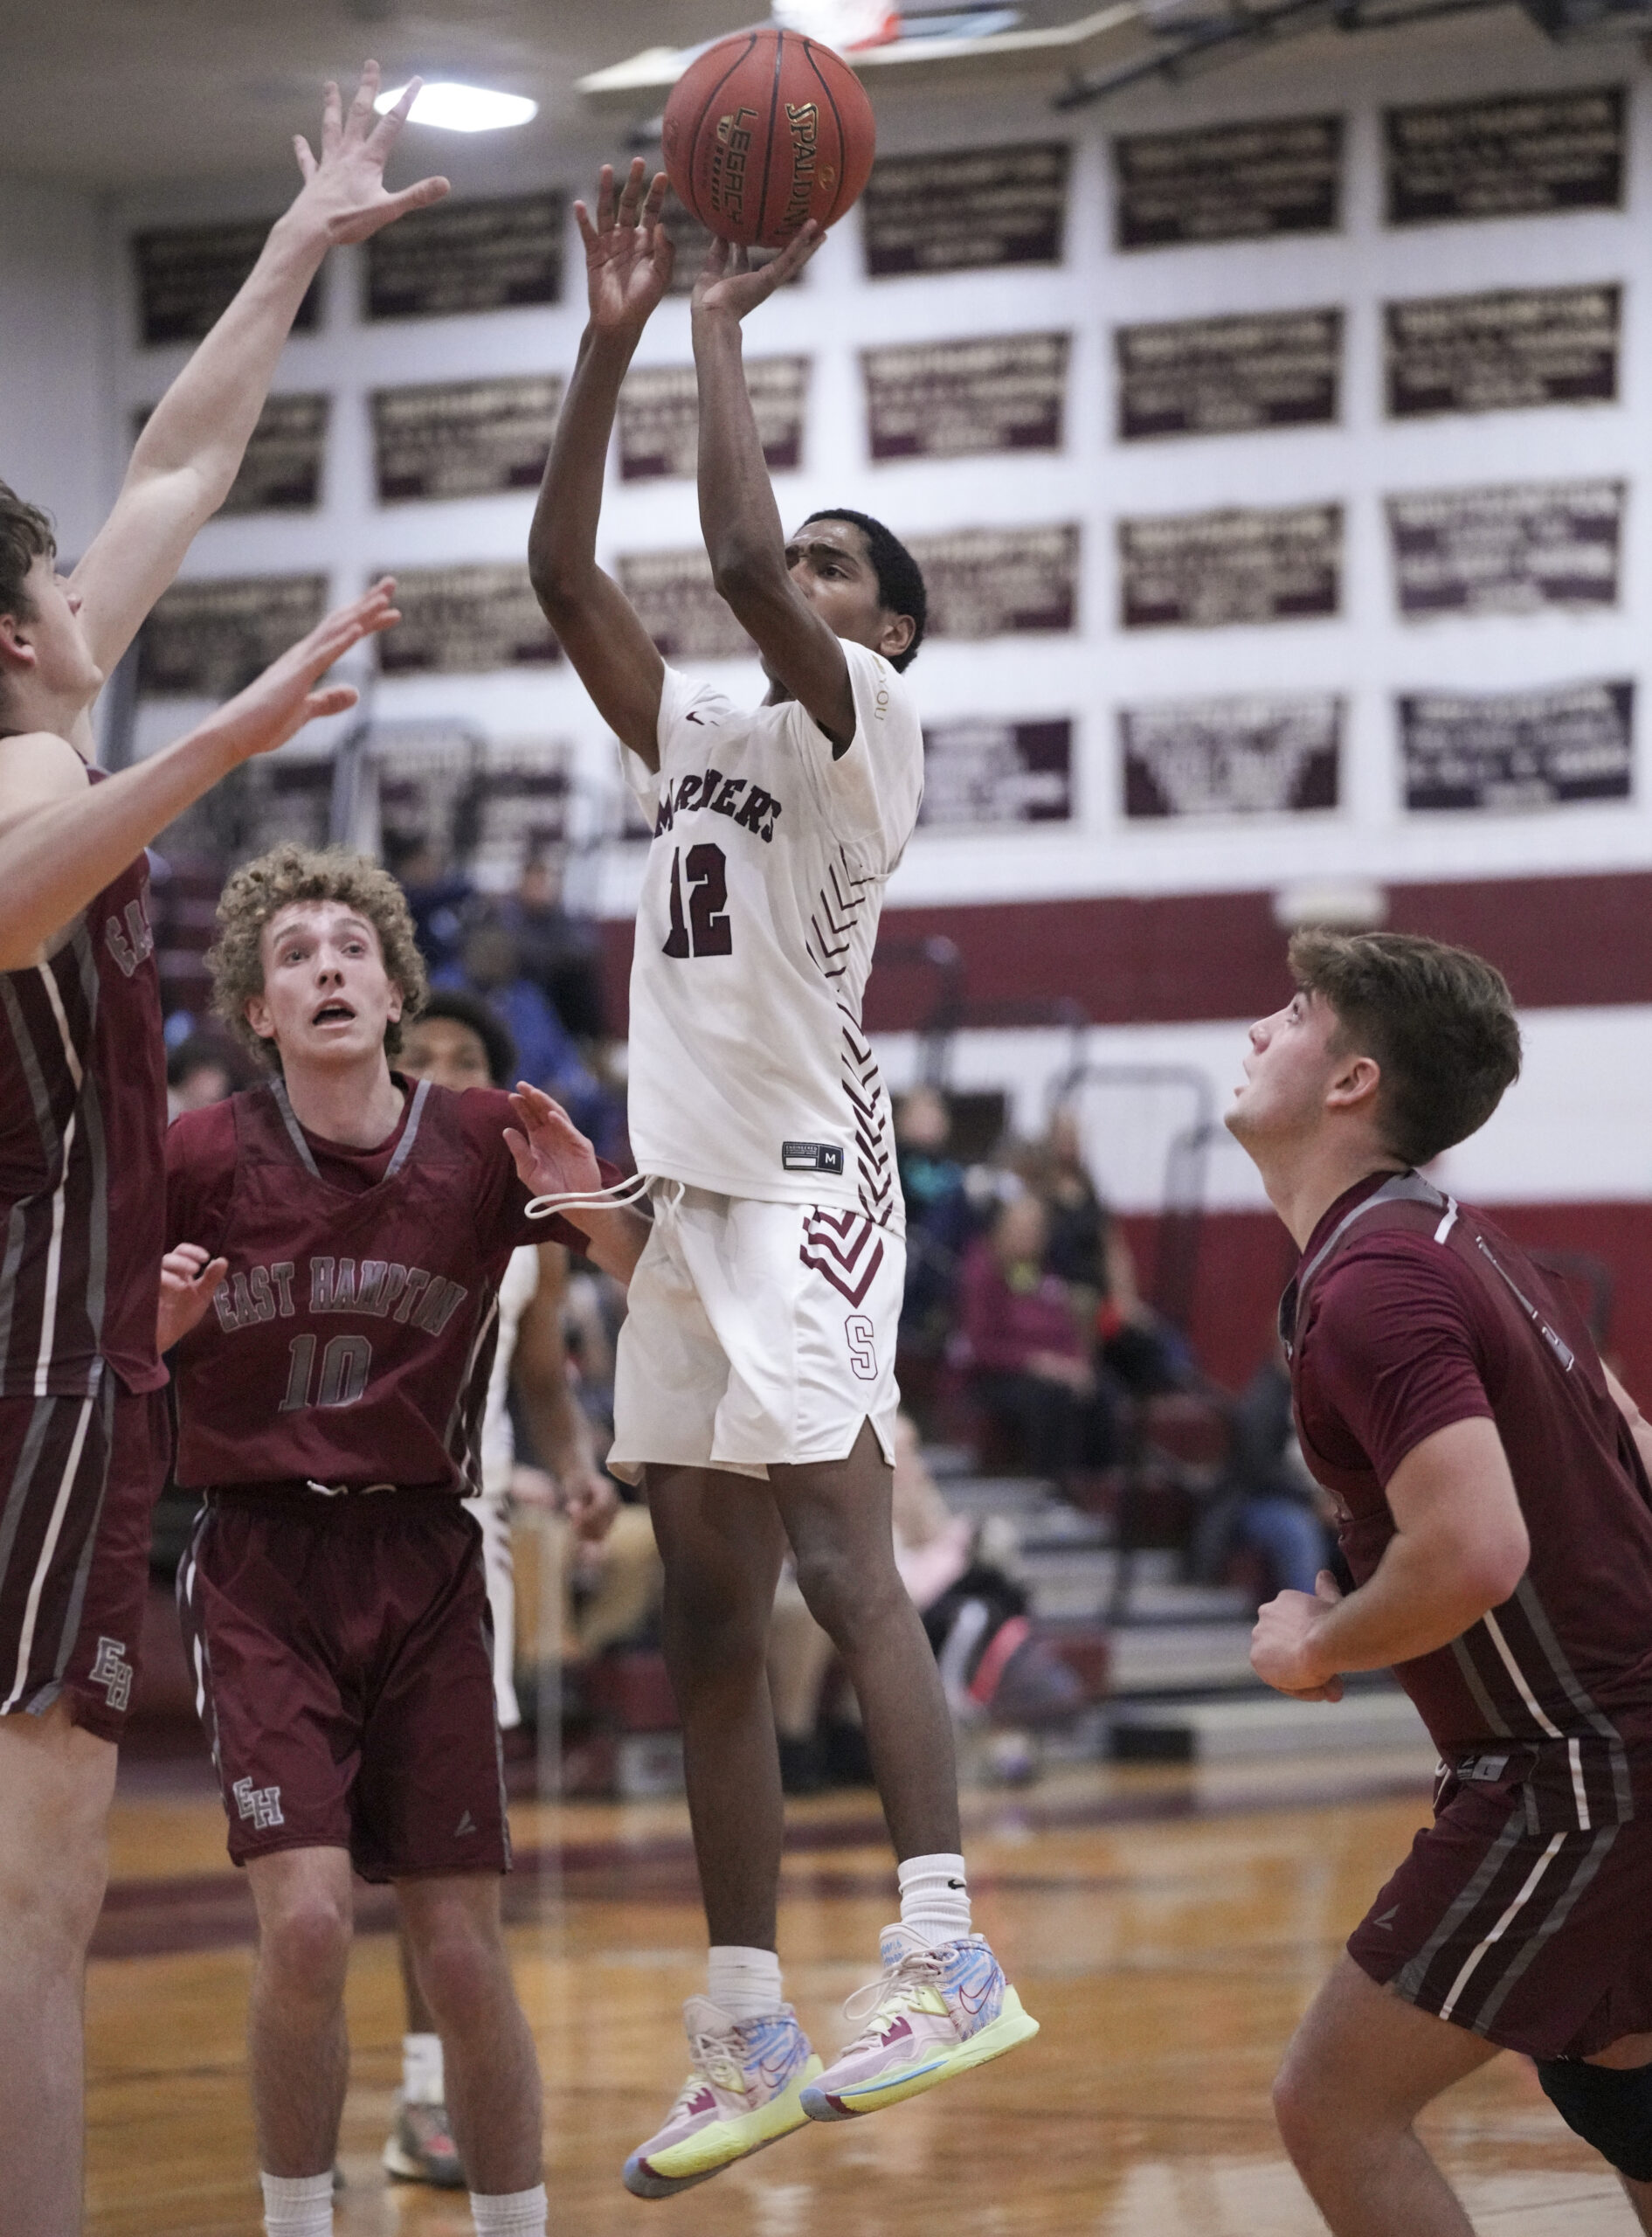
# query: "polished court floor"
{"points": [[1165, 1926]]}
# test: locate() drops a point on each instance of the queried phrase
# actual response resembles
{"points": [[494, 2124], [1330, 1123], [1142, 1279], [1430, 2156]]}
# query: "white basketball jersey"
{"points": [[749, 1074]]}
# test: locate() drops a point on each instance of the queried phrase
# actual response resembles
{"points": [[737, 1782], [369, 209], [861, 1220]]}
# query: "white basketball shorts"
{"points": [[756, 1333]]}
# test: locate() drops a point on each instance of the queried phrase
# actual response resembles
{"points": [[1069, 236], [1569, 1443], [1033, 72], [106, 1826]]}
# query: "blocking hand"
{"points": [[277, 704], [628, 253], [190, 1280], [1282, 1647], [343, 194]]}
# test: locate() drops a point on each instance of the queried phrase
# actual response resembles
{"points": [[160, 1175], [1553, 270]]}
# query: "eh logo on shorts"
{"points": [[113, 1673], [261, 1804], [810, 1157]]}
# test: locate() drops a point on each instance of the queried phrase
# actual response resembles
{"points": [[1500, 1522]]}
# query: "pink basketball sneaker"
{"points": [[743, 2094], [935, 2012]]}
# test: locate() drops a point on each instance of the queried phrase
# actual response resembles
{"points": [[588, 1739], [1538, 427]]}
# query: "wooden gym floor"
{"points": [[1166, 1925]]}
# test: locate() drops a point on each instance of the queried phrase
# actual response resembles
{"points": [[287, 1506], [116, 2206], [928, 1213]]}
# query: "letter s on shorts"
{"points": [[861, 1336]]}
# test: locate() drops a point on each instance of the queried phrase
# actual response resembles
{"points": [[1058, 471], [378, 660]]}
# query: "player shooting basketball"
{"points": [[754, 1391]]}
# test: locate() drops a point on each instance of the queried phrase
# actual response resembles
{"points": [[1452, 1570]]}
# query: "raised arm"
{"points": [[62, 840], [628, 258], [738, 517], [192, 446]]}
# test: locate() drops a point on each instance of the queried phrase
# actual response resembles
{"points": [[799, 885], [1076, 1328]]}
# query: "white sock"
{"points": [[422, 2081], [744, 1983], [934, 1897], [298, 2206], [510, 2213]]}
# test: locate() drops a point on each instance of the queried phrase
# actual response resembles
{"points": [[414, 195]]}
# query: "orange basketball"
{"points": [[765, 130]]}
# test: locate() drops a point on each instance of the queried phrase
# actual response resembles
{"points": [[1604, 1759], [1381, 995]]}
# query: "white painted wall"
{"points": [[57, 346], [1368, 653]]}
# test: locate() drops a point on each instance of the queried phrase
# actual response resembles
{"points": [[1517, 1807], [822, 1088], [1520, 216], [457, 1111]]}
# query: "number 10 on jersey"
{"points": [[706, 930]]}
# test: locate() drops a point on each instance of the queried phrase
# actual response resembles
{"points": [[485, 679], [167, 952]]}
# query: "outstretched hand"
{"points": [[1283, 1646], [628, 251], [552, 1157], [277, 704], [729, 282], [344, 193], [190, 1280]]}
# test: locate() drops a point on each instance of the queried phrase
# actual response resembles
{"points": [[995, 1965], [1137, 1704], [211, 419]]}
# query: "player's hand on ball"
{"points": [[190, 1280], [1284, 1652], [276, 705], [628, 251], [552, 1157], [343, 194], [729, 284]]}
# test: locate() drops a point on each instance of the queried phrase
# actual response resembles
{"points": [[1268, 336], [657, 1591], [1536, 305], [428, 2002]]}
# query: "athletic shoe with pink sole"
{"points": [[743, 2094], [933, 2013]]}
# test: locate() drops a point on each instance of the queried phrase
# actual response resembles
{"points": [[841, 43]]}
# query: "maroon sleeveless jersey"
{"points": [[1410, 1312], [352, 1340], [82, 1170]]}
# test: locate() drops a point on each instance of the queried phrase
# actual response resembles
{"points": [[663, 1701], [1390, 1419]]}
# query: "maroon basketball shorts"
{"points": [[81, 1477], [1513, 1919], [344, 1661]]}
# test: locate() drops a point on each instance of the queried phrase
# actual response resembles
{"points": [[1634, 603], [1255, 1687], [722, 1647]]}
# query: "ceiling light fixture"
{"points": [[462, 108]]}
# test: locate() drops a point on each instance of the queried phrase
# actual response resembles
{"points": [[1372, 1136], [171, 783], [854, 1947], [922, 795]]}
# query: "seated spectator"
{"points": [[438, 898], [1265, 1500], [559, 952], [1024, 1349], [939, 1220], [204, 1068], [1089, 1250]]}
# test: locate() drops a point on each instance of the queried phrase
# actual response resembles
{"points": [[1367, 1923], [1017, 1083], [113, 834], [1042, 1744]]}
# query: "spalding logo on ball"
{"points": [[765, 130]]}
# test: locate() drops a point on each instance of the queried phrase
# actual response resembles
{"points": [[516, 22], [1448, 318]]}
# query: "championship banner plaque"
{"points": [[467, 256], [1000, 582], [207, 639], [464, 439], [1228, 376], [1246, 756], [465, 621], [985, 771], [1208, 571], [1517, 749], [660, 418], [1510, 158], [679, 606], [1234, 181], [281, 470], [188, 276], [954, 400], [1503, 351], [966, 209], [1514, 549]]}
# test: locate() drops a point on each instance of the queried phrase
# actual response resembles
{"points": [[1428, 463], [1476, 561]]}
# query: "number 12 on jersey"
{"points": [[708, 931]]}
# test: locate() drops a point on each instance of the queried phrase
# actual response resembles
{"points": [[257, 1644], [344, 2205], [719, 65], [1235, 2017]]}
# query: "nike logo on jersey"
{"points": [[466, 1824], [758, 811]]}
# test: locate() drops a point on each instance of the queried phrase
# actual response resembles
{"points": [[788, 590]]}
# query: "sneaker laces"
{"points": [[899, 1989], [716, 2066]]}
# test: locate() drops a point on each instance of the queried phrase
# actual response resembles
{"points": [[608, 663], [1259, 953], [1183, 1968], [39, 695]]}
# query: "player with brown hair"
{"points": [[338, 1238], [82, 1119], [1490, 1478]]}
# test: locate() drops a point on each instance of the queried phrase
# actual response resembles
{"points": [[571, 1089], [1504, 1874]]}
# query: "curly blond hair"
{"points": [[260, 889]]}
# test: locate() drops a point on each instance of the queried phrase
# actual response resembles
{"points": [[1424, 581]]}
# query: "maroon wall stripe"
{"points": [[1173, 959]]}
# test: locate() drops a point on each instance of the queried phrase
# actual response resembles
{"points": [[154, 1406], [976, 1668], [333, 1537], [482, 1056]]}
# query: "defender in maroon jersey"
{"points": [[1496, 1519], [337, 1236], [82, 1113]]}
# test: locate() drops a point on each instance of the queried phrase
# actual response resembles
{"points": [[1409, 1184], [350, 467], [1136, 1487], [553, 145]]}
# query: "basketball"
{"points": [[765, 130]]}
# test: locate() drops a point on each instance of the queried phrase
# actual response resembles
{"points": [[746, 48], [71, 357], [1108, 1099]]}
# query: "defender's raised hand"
{"points": [[277, 704], [552, 1157], [628, 253], [729, 282], [343, 192]]}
